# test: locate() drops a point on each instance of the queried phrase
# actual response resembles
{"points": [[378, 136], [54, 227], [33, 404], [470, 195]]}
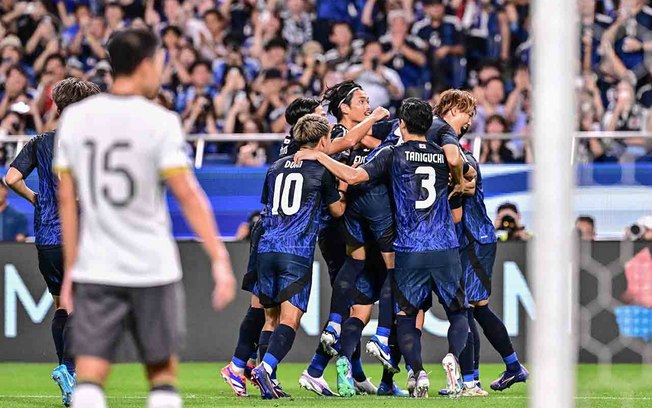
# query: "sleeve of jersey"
{"points": [[25, 162], [380, 130], [329, 191], [173, 159], [61, 162], [379, 166], [449, 137]]}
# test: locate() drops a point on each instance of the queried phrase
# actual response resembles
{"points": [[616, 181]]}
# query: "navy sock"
{"points": [[279, 345], [356, 369], [409, 341], [495, 331], [319, 362], [58, 323], [476, 344], [350, 337], [67, 359], [467, 356], [458, 331], [386, 306], [344, 283], [250, 331], [263, 343]]}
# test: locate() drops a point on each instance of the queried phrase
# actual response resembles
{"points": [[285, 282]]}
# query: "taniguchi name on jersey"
{"points": [[424, 157]]}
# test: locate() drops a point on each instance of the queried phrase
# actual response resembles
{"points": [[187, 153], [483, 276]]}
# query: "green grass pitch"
{"points": [[29, 385]]}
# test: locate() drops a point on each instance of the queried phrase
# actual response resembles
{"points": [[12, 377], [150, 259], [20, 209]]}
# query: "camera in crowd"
{"points": [[641, 230], [508, 223]]}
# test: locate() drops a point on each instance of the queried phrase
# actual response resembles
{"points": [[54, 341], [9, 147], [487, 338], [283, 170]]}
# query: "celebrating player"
{"points": [[293, 196], [37, 154], [426, 245], [114, 151]]}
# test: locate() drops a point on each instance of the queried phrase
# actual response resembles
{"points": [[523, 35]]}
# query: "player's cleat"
{"points": [[422, 385], [473, 391], [391, 390], [381, 351], [444, 391], [453, 376], [260, 377], [66, 383], [251, 364], [365, 387], [411, 383], [344, 378], [508, 379], [329, 340], [279, 390], [238, 383], [317, 385]]}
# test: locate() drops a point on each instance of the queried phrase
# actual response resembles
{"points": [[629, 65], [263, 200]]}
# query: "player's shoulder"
{"points": [[421, 25], [338, 130]]}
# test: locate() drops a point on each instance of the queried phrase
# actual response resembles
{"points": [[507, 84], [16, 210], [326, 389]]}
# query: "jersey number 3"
{"points": [[108, 168], [282, 188], [428, 184]]}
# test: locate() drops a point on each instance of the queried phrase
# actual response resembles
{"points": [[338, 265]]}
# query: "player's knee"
{"points": [[388, 257], [255, 302], [358, 253], [362, 312], [91, 369], [163, 373], [272, 316]]}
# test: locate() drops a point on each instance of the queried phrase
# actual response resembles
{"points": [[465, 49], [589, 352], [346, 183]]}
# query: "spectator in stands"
{"points": [[314, 68], [593, 27], [508, 223], [232, 89], [11, 52], [585, 226], [625, 113], [487, 32], [270, 106], [268, 31], [13, 224], [345, 50], [88, 45], [15, 89], [201, 83], [297, 25], [114, 17], [443, 35], [405, 53], [276, 57], [495, 151], [491, 103], [211, 36], [641, 230], [382, 84], [329, 13]]}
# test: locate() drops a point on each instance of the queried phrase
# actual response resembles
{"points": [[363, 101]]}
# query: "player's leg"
{"points": [[158, 321], [350, 340], [378, 345], [100, 315]]}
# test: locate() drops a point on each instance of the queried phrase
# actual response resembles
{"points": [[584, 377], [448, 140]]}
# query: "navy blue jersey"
{"points": [[289, 147], [447, 33], [441, 133], [418, 173], [293, 195], [475, 219], [391, 136], [37, 154], [384, 129]]}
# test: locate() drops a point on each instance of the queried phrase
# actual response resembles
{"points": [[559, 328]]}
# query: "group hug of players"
{"points": [[398, 211]]}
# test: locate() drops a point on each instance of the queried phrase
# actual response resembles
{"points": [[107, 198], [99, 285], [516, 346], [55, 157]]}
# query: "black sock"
{"points": [[263, 343], [279, 345], [350, 337], [495, 331], [250, 331], [476, 343], [68, 360], [164, 387], [409, 341], [344, 283], [356, 364], [468, 354], [58, 323], [458, 331], [386, 305]]}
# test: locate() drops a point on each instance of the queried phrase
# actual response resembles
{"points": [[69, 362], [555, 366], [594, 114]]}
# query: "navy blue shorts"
{"points": [[370, 282], [477, 262], [369, 216], [284, 277], [332, 247], [50, 263], [250, 279], [418, 274]]}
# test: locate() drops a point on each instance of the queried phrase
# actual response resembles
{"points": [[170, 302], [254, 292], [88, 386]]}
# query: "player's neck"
{"points": [[126, 87], [448, 120], [348, 123], [411, 137]]}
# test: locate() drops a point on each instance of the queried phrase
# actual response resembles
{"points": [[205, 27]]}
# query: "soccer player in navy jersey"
{"points": [[37, 154], [293, 195], [426, 244]]}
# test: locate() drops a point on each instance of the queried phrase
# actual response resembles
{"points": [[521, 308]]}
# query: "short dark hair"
{"points": [[276, 42], [339, 22], [299, 108], [57, 57], [215, 12], [507, 206], [310, 129], [339, 94], [416, 114], [497, 118], [17, 67], [490, 80], [199, 63], [129, 48], [72, 90], [587, 219]]}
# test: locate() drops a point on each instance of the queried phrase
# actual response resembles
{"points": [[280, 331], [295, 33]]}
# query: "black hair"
{"points": [[57, 57], [507, 206], [129, 48], [586, 218], [340, 22], [299, 108], [214, 11], [490, 80], [198, 63], [20, 69], [416, 114], [276, 42], [339, 94]]}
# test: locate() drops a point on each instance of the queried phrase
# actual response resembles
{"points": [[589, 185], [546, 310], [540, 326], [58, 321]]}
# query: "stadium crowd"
{"points": [[232, 66]]}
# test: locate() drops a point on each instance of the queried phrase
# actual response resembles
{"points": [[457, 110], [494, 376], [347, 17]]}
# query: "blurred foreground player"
{"points": [[115, 151], [293, 195], [38, 154]]}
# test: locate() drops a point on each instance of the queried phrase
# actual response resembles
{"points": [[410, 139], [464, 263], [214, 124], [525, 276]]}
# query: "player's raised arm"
{"points": [[358, 132], [197, 211], [343, 172]]}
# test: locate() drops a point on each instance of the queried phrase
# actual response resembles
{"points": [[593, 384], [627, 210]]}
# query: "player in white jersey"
{"points": [[116, 152]]}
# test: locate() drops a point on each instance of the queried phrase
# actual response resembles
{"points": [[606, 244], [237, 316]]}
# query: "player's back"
{"points": [[419, 176], [293, 195], [475, 219], [119, 149]]}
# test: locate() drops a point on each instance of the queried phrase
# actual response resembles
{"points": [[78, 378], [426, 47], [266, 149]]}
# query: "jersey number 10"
{"points": [[282, 188]]}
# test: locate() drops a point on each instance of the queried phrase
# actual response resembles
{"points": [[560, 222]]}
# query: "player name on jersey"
{"points": [[424, 157]]}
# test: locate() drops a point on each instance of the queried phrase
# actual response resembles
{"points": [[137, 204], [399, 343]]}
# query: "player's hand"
{"points": [[65, 296], [632, 45], [458, 189], [225, 284], [380, 113], [302, 155]]}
